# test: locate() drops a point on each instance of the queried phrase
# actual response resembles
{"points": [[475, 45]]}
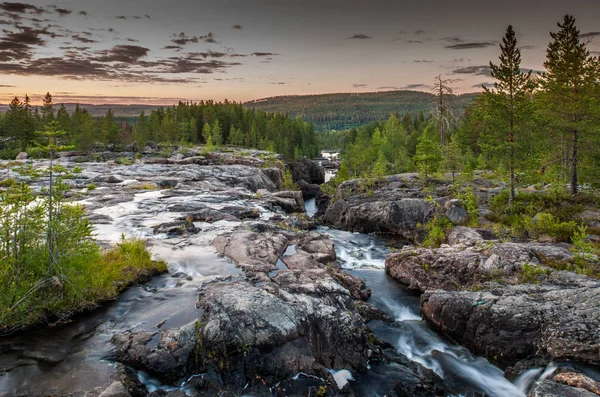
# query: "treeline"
{"points": [[528, 128], [209, 123], [345, 111]]}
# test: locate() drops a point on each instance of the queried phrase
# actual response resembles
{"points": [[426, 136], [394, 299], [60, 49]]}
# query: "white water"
{"points": [[364, 256]]}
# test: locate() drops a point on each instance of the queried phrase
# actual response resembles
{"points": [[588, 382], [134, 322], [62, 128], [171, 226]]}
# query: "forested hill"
{"points": [[343, 111], [122, 111]]}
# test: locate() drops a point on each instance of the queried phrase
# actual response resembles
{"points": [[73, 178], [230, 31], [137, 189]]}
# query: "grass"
{"points": [[145, 186], [86, 279]]}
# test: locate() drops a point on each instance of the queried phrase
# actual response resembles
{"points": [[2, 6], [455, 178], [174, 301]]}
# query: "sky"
{"points": [[159, 52]]}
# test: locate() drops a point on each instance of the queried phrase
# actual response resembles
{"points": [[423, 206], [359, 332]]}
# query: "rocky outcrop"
{"points": [[300, 318], [470, 261], [550, 388], [557, 320], [308, 171], [289, 201]]}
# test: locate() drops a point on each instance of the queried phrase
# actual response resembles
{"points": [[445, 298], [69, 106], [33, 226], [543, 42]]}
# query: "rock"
{"points": [[151, 145], [255, 253], [309, 190], [176, 228], [107, 179], [549, 388], [456, 213], [116, 389], [308, 171], [166, 184], [169, 361], [209, 215], [319, 245], [403, 217], [289, 201], [464, 236], [22, 156], [275, 175], [576, 379], [557, 320]]}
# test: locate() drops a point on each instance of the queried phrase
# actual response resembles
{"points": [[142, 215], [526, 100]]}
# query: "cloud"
{"points": [[61, 11], [237, 27], [387, 88], [7, 86], [419, 32], [480, 70], [81, 39], [182, 39], [452, 39], [528, 47], [589, 34], [414, 42], [471, 45], [209, 38], [359, 36], [486, 85], [20, 8], [173, 47], [423, 61], [359, 85], [83, 12], [124, 53], [413, 86], [263, 54]]}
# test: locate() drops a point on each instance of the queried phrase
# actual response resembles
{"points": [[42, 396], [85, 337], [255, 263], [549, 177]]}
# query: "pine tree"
{"points": [[568, 81], [47, 110], [427, 156], [207, 133], [110, 129], [451, 159], [217, 136], [509, 99]]}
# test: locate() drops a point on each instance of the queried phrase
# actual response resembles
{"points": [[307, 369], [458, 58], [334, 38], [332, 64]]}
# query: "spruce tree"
{"points": [[569, 79], [509, 101]]}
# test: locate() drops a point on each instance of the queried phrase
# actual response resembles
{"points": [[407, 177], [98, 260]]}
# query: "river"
{"points": [[79, 356]]}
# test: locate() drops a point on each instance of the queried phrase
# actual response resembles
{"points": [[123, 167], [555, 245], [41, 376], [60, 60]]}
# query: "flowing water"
{"points": [[78, 355]]}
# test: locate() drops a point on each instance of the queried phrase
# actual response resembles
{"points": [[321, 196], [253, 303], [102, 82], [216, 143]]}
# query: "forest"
{"points": [[528, 128], [351, 110], [210, 123]]}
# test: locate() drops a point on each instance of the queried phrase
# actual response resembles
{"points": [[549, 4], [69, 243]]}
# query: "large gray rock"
{"points": [[22, 156], [558, 320], [549, 388], [456, 213], [289, 201], [458, 266]]}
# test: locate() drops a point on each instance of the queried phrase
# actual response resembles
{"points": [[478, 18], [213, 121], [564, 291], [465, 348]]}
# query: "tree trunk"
{"points": [[574, 165]]}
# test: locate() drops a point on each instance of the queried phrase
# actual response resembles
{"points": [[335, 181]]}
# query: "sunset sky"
{"points": [[157, 52]]}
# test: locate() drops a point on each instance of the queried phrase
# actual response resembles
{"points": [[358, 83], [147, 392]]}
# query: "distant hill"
{"points": [[343, 111], [100, 110]]}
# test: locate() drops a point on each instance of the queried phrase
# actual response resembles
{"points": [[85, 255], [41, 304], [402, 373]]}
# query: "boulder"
{"points": [[22, 156], [550, 388], [464, 236], [456, 212], [289, 201], [308, 171], [557, 320], [177, 228]]}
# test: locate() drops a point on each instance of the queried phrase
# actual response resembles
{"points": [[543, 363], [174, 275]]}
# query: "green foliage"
{"points": [[533, 273], [428, 155], [288, 181], [437, 231], [345, 111], [544, 224], [471, 203], [91, 186]]}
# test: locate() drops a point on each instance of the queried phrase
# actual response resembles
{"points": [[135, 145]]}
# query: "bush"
{"points": [[546, 224], [288, 181], [533, 274], [437, 230], [471, 203]]}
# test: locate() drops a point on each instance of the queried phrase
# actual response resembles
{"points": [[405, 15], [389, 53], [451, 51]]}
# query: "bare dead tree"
{"points": [[445, 111]]}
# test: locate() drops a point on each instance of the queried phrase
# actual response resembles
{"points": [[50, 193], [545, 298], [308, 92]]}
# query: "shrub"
{"points": [[91, 186], [288, 181], [471, 203], [546, 224], [8, 182], [533, 273], [437, 230]]}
